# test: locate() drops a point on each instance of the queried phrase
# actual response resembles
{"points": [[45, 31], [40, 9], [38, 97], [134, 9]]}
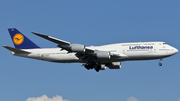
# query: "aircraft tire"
{"points": [[160, 64]]}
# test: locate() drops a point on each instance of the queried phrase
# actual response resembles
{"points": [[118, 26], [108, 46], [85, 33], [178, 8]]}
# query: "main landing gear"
{"points": [[91, 66], [160, 62], [96, 66]]}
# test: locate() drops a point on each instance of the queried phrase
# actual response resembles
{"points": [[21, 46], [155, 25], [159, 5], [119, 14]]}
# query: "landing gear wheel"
{"points": [[87, 67], [97, 70], [160, 64]]}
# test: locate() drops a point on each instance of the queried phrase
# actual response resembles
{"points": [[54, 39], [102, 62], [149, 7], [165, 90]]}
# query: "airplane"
{"points": [[92, 57]]}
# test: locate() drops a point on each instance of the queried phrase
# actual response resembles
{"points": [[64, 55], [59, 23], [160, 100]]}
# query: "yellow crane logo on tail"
{"points": [[18, 39]]}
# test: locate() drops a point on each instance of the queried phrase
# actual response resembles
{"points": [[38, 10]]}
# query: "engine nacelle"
{"points": [[77, 48], [114, 65], [73, 47], [103, 55]]}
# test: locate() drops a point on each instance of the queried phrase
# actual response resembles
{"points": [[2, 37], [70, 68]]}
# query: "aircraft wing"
{"points": [[66, 45], [84, 53]]}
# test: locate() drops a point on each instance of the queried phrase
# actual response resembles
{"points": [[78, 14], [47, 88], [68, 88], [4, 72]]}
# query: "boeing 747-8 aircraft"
{"points": [[97, 57]]}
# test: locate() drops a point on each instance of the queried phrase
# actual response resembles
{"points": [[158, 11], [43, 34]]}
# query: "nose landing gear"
{"points": [[160, 62]]}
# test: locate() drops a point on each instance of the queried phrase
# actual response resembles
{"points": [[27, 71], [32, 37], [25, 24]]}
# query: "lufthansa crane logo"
{"points": [[18, 39]]}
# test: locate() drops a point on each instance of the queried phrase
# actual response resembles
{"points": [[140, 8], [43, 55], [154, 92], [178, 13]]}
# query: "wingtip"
{"points": [[40, 35], [34, 33], [37, 34]]}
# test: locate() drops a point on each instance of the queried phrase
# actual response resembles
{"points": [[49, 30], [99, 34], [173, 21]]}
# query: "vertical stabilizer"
{"points": [[20, 41]]}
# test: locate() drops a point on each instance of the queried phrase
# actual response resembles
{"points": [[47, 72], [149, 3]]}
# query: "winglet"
{"points": [[21, 41]]}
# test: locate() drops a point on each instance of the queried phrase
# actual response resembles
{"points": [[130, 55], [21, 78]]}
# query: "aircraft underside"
{"points": [[93, 63]]}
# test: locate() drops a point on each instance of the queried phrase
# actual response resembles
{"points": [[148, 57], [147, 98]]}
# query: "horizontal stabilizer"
{"points": [[15, 50]]}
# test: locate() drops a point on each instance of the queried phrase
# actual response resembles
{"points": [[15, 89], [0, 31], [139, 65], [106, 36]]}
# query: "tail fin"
{"points": [[21, 41]]}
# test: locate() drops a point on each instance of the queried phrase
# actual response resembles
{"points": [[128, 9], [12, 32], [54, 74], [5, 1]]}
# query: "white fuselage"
{"points": [[126, 51]]}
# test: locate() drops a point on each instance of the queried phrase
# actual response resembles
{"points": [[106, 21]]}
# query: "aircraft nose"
{"points": [[176, 50]]}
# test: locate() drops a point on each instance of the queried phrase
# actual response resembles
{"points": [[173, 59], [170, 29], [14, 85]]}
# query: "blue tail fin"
{"points": [[20, 41]]}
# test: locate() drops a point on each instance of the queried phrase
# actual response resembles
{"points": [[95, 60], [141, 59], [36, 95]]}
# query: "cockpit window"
{"points": [[164, 43]]}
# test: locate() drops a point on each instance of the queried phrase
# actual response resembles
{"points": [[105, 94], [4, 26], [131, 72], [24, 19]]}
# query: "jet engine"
{"points": [[77, 48], [103, 55], [114, 65], [73, 47]]}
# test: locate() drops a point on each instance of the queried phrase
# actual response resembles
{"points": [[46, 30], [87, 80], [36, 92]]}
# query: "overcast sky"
{"points": [[93, 22]]}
